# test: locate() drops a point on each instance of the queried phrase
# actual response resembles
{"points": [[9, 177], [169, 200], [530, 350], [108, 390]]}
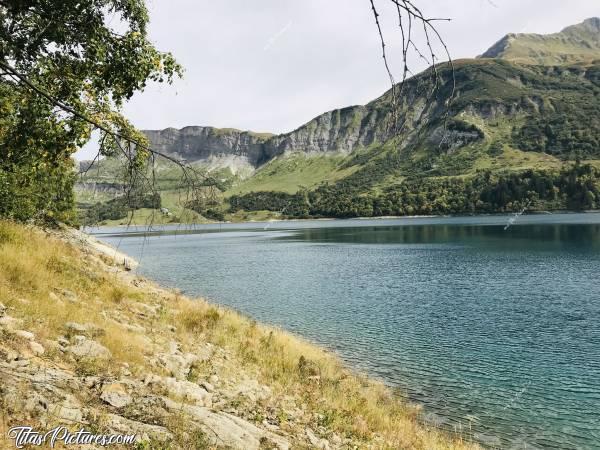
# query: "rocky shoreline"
{"points": [[180, 373]]}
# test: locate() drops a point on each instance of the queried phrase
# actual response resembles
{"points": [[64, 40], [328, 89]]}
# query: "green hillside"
{"points": [[519, 132], [576, 43], [513, 135]]}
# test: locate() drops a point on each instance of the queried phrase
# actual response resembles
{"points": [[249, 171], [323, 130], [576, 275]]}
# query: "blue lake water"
{"points": [[496, 332]]}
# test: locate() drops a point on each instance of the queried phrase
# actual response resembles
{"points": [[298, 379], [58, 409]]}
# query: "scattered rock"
{"points": [[36, 348], [87, 329], [9, 323], [176, 363], [207, 386], [228, 430], [69, 410], [185, 390], [75, 328], [87, 348], [115, 395], [315, 441], [144, 432], [27, 335], [70, 296], [144, 310]]}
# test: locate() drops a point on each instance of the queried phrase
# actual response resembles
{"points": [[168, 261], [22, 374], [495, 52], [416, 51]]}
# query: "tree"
{"points": [[65, 71], [67, 67]]}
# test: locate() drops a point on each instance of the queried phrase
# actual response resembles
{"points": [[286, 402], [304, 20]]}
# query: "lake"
{"points": [[495, 331]]}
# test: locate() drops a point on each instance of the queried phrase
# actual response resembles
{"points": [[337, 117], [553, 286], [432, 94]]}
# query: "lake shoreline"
{"points": [[331, 276], [342, 219], [123, 354]]}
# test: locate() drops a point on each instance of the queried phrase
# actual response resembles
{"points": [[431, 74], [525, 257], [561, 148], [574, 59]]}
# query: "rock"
{"points": [[213, 379], [133, 328], [252, 390], [88, 329], [144, 310], [70, 296], [229, 431], [177, 364], [207, 386], [69, 410], [115, 395], [36, 348], [87, 348], [9, 354], [27, 335], [54, 297], [2, 310], [315, 441], [174, 348], [9, 323], [35, 403], [143, 431], [75, 328], [185, 390]]}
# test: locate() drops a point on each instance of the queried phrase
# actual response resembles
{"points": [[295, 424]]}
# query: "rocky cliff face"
{"points": [[337, 131], [344, 130], [341, 130], [210, 144]]}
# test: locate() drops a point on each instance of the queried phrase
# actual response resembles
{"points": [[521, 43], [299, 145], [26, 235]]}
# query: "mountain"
{"points": [[341, 130], [221, 146], [494, 134], [576, 43]]}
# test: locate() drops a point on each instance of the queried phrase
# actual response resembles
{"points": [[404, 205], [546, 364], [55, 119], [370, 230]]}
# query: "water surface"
{"points": [[496, 332]]}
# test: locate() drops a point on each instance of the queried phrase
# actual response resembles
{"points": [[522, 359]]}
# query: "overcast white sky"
{"points": [[272, 65]]}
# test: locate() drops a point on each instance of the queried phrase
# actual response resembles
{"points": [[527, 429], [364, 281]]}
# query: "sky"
{"points": [[273, 65]]}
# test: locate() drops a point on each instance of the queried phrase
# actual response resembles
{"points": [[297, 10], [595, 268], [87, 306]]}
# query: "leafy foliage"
{"points": [[120, 207], [575, 188], [60, 63]]}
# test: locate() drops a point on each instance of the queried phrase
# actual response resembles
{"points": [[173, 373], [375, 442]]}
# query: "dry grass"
{"points": [[39, 274]]}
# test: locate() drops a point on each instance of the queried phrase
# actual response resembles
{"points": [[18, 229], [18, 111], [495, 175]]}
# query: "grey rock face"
{"points": [[340, 130], [205, 143], [87, 348]]}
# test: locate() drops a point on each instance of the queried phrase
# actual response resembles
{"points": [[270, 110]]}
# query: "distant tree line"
{"points": [[119, 208], [574, 188]]}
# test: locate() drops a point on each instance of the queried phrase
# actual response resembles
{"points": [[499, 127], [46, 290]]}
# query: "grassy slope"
{"points": [[36, 268], [289, 173], [576, 43], [497, 97]]}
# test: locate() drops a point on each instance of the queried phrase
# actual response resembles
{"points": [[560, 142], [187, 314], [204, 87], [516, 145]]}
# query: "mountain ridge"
{"points": [[580, 42], [510, 120]]}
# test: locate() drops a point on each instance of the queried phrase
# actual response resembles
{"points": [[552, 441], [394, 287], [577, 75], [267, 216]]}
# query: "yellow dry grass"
{"points": [[38, 274]]}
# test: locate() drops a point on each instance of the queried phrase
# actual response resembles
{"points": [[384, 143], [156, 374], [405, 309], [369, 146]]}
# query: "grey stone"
{"points": [[230, 431], [87, 329], [9, 323], [315, 441], [115, 395], [36, 348], [27, 335], [185, 390], [87, 348]]}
